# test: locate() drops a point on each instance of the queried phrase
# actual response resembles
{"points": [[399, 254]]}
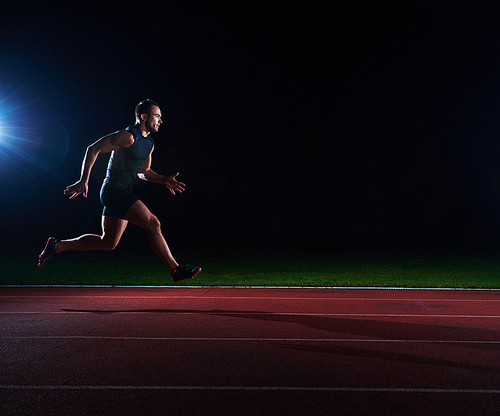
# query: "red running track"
{"points": [[248, 351]]}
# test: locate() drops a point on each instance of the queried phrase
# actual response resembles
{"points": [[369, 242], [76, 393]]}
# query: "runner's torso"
{"points": [[125, 164]]}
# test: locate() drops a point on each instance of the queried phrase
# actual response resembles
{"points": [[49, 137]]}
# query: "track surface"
{"points": [[222, 351]]}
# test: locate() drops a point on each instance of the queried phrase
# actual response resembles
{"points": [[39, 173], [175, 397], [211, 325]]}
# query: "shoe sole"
{"points": [[41, 257], [187, 278]]}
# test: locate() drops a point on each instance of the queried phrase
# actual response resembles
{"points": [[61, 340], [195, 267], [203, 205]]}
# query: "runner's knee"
{"points": [[153, 224], [108, 244]]}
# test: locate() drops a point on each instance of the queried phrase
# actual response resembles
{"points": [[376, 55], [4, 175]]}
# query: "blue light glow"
{"points": [[41, 142]]}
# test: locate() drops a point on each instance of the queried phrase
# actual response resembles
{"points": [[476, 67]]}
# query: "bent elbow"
{"points": [[95, 149], [91, 149]]}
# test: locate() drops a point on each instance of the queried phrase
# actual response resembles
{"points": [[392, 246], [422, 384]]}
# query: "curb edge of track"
{"points": [[254, 287]]}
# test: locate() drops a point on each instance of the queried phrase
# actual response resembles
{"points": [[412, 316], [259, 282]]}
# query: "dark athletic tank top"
{"points": [[125, 164]]}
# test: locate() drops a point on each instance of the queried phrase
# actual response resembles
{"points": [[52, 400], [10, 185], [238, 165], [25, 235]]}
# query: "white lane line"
{"points": [[166, 311], [254, 388], [222, 339], [291, 288]]}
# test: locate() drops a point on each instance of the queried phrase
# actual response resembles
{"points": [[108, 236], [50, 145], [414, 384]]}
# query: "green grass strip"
{"points": [[254, 270]]}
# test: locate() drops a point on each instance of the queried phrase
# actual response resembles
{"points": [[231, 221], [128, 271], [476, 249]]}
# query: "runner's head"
{"points": [[148, 111]]}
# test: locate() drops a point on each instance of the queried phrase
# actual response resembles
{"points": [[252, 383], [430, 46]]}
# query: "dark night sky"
{"points": [[360, 126]]}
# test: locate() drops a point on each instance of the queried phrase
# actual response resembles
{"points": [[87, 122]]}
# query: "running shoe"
{"points": [[183, 273], [48, 252]]}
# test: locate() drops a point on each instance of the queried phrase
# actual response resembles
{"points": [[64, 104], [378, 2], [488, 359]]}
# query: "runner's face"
{"points": [[153, 120]]}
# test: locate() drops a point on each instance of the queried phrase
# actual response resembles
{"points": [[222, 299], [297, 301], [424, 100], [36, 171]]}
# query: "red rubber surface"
{"points": [[219, 351]]}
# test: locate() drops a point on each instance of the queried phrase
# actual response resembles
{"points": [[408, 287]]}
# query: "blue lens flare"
{"points": [[42, 142]]}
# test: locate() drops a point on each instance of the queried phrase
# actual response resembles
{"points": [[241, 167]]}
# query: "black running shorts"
{"points": [[116, 201]]}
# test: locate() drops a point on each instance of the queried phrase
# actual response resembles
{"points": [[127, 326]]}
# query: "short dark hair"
{"points": [[144, 107]]}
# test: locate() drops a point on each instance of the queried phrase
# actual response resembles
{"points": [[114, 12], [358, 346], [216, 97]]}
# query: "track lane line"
{"points": [[255, 388], [227, 339], [243, 313]]}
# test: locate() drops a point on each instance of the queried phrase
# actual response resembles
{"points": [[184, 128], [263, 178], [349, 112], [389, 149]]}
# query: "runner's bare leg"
{"points": [[112, 231], [140, 215]]}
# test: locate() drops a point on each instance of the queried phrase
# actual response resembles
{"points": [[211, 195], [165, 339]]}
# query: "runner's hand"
{"points": [[76, 189], [173, 184]]}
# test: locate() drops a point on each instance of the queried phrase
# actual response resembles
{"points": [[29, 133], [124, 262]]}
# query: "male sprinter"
{"points": [[130, 158]]}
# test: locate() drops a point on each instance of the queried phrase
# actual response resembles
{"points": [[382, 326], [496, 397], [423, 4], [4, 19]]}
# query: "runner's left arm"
{"points": [[148, 174]]}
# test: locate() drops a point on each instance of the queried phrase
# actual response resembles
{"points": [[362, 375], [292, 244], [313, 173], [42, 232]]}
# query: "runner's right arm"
{"points": [[106, 144]]}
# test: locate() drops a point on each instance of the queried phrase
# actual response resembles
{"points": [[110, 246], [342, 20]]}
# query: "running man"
{"points": [[130, 158]]}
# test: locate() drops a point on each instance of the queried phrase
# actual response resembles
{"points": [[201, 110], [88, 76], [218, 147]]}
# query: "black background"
{"points": [[357, 126]]}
